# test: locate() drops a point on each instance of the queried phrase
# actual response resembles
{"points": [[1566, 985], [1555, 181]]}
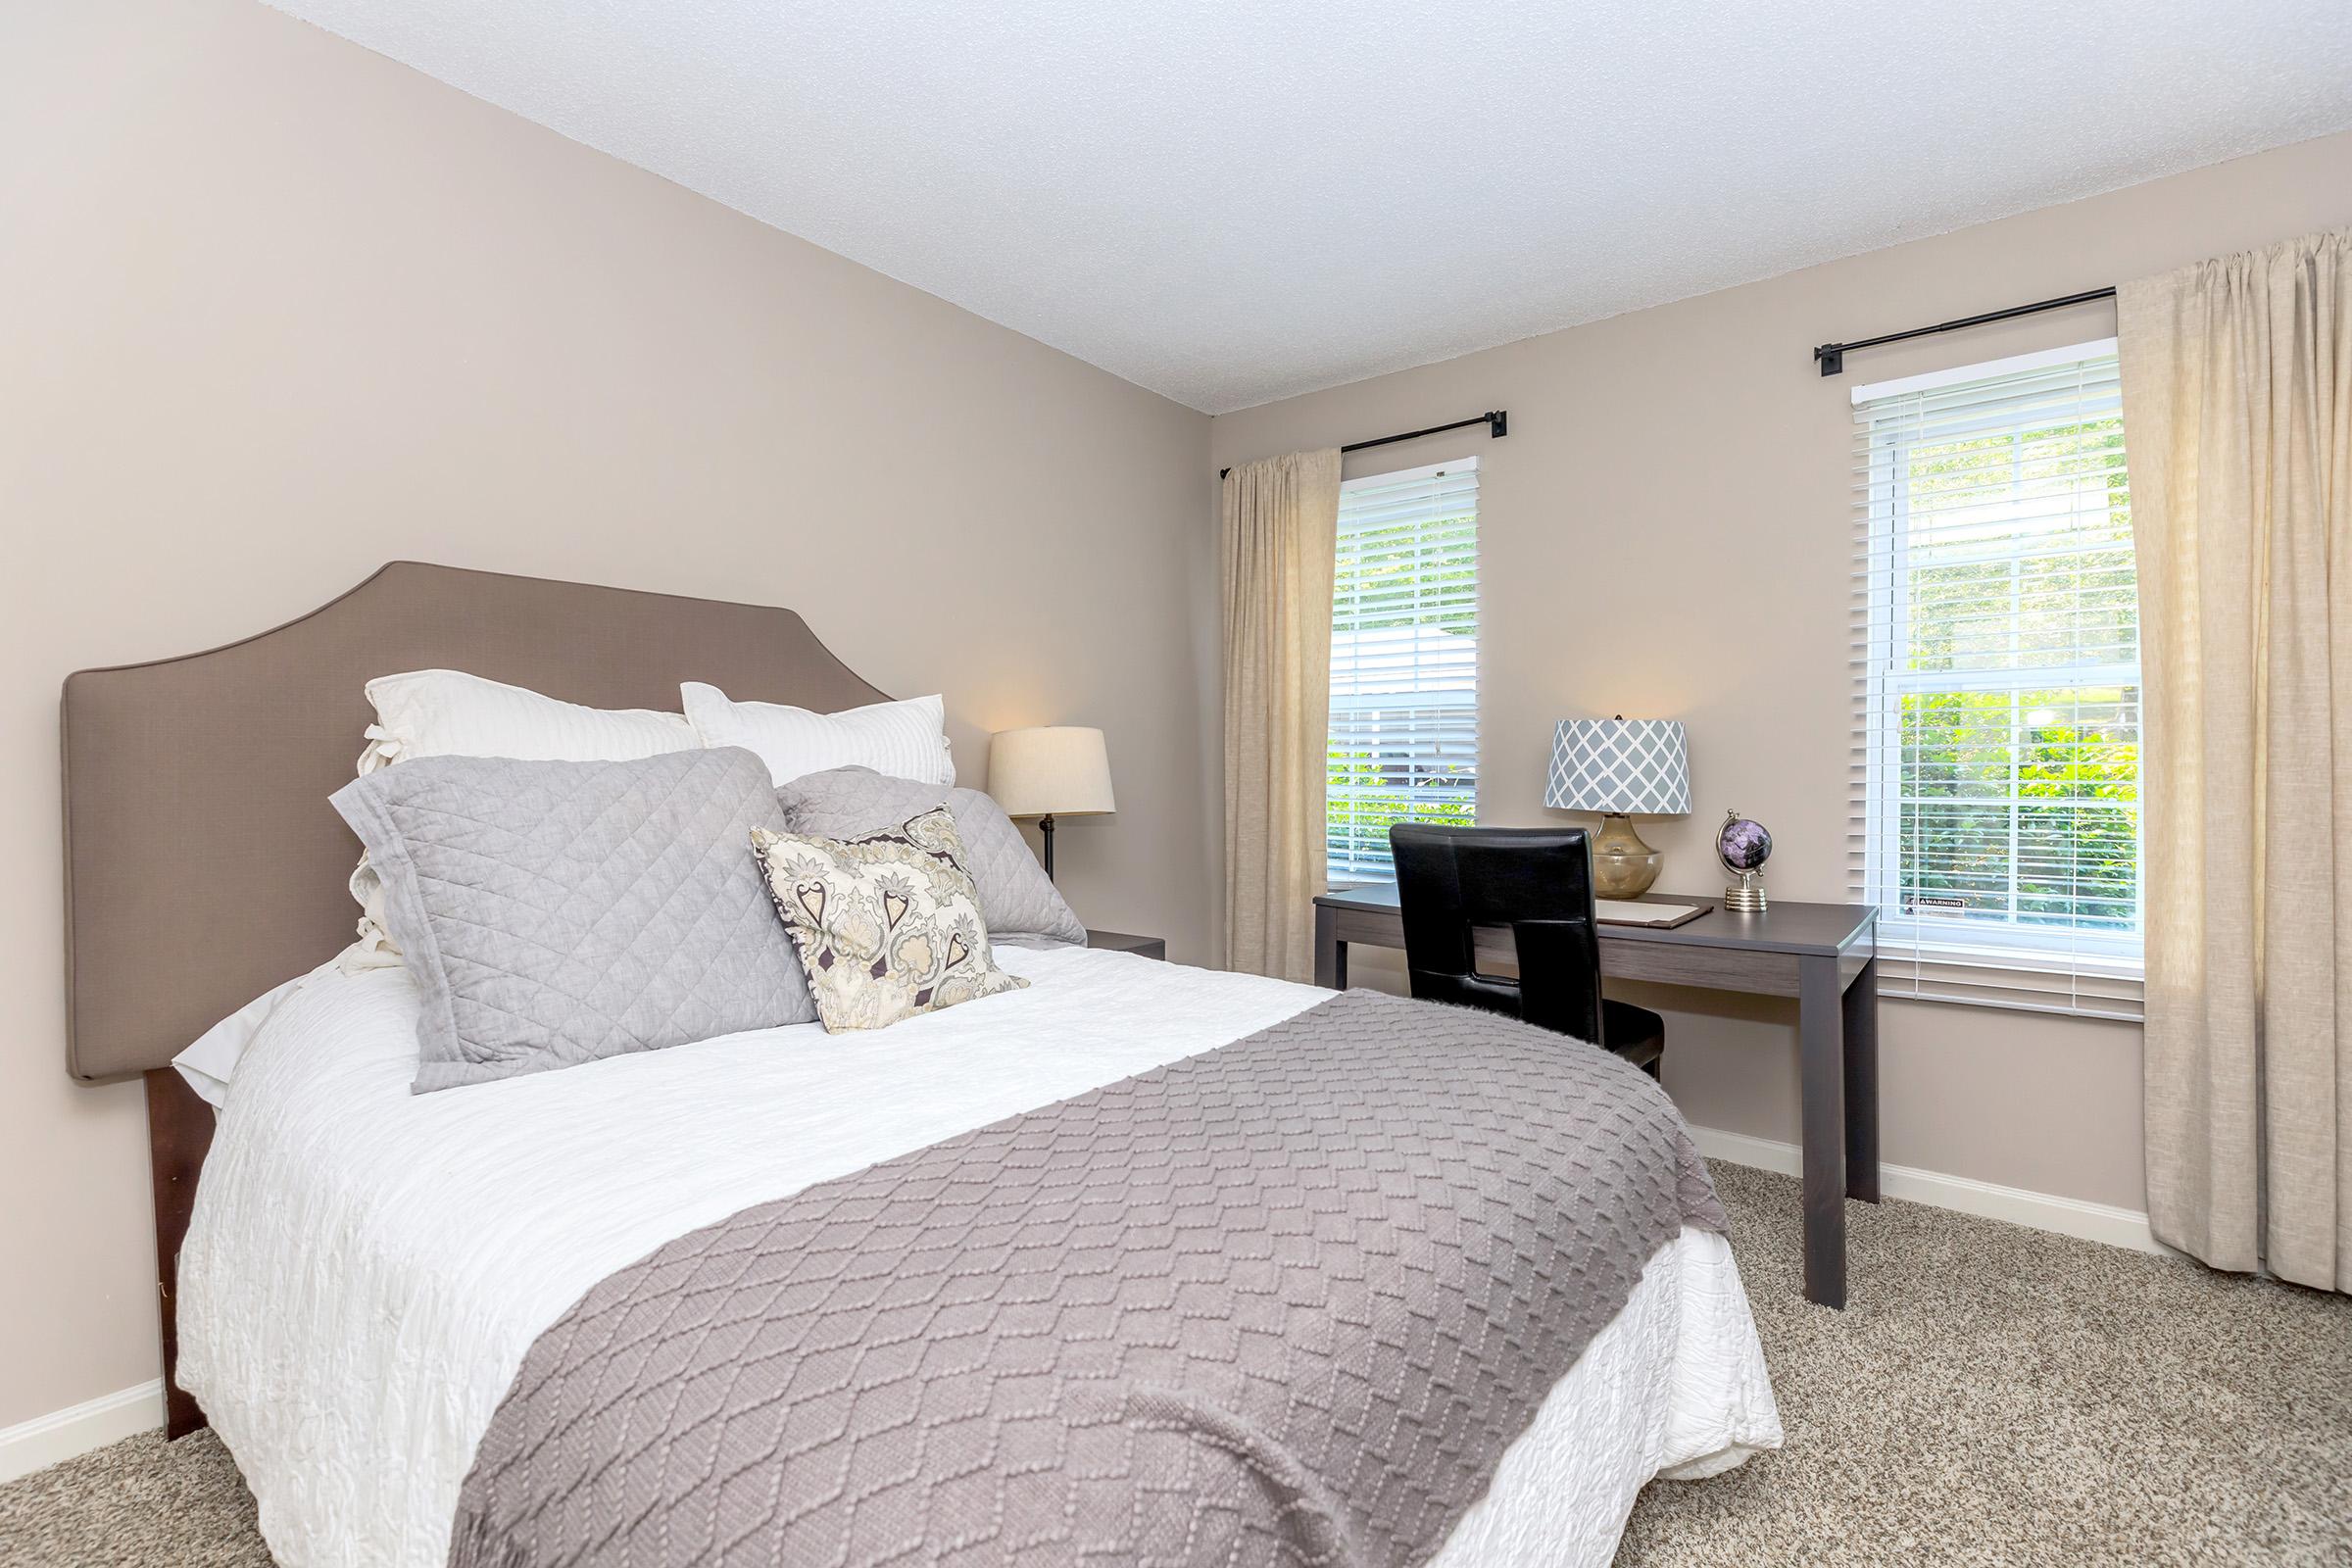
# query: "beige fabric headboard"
{"points": [[203, 864]]}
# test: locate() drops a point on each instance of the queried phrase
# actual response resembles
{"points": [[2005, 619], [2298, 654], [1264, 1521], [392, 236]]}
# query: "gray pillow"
{"points": [[1016, 899], [552, 913]]}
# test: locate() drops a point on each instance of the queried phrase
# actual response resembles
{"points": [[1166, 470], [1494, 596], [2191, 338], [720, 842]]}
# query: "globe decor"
{"points": [[1743, 845]]}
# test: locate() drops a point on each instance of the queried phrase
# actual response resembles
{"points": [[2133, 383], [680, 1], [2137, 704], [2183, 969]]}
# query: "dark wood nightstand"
{"points": [[1122, 942]]}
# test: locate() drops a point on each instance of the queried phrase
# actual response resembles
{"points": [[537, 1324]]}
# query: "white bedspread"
{"points": [[366, 1267]]}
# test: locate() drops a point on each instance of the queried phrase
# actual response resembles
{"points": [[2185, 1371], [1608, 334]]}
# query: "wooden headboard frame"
{"points": [[203, 864]]}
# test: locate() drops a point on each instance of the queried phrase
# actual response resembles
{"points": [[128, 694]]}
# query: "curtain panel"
{"points": [[2238, 415], [1281, 529]]}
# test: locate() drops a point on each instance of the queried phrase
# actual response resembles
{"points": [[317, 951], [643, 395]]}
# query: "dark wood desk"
{"points": [[1824, 954]]}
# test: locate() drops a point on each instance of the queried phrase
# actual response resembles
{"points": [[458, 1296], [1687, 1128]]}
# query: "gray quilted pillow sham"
{"points": [[553, 913], [1015, 898]]}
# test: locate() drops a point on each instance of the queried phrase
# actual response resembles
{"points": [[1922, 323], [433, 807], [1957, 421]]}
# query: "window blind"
{"points": [[1996, 799], [1404, 662]]}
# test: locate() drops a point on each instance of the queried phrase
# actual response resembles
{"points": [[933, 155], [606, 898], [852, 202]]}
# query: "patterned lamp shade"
{"points": [[1632, 766]]}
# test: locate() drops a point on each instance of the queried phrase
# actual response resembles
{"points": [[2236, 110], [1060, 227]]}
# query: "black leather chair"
{"points": [[1538, 883]]}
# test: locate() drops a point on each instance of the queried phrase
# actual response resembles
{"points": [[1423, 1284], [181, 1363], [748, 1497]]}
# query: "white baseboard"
{"points": [[2042, 1211], [58, 1436]]}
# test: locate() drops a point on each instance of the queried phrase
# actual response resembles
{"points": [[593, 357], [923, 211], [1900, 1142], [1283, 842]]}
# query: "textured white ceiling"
{"points": [[1233, 202]]}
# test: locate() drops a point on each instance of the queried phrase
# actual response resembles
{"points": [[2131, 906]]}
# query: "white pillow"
{"points": [[444, 712], [447, 713], [212, 1062], [903, 740], [209, 1063]]}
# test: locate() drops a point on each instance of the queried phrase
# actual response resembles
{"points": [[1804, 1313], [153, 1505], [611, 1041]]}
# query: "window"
{"points": [[1404, 662], [1998, 632]]}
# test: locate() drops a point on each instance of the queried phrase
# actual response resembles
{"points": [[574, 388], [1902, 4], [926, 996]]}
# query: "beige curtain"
{"points": [[1282, 520], [2237, 421]]}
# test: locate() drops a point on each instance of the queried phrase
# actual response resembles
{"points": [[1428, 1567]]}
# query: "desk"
{"points": [[1824, 954]]}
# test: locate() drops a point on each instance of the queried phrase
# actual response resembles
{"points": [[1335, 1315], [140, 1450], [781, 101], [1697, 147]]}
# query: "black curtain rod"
{"points": [[1832, 355], [1497, 421]]}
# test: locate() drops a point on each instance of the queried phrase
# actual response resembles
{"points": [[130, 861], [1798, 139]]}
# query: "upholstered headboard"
{"points": [[203, 864]]}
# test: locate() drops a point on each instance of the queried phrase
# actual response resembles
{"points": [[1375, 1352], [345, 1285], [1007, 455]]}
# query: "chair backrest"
{"points": [[1536, 881]]}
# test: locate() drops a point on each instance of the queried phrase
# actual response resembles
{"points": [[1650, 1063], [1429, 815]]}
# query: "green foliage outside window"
{"points": [[2007, 817], [1364, 802]]}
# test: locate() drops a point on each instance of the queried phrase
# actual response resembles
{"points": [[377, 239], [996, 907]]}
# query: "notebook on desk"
{"points": [[1625, 912]]}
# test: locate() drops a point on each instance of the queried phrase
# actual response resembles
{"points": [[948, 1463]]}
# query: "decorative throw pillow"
{"points": [[887, 924], [1016, 898]]}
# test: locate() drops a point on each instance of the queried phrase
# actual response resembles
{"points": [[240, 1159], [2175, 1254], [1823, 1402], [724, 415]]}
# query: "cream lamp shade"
{"points": [[1057, 770]]}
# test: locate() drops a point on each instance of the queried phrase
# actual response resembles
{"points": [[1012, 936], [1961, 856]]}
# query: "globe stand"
{"points": [[1746, 896]]}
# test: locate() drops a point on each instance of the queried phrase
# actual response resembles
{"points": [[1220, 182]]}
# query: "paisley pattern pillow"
{"points": [[888, 925]]}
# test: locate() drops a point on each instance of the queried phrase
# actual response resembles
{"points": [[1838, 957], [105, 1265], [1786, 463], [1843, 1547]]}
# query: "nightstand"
{"points": [[1122, 942]]}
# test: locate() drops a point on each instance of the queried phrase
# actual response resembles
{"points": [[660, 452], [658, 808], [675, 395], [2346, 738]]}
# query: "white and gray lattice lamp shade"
{"points": [[1638, 766]]}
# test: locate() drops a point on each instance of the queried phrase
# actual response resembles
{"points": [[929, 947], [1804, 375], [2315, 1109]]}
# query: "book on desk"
{"points": [[1660, 915]]}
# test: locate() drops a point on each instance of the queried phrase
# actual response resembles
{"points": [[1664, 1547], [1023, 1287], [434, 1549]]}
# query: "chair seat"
{"points": [[1637, 1034]]}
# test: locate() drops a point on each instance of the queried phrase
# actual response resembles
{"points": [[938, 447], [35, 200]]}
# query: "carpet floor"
{"points": [[1992, 1395]]}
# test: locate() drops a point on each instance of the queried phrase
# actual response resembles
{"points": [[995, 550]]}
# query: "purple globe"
{"points": [[1743, 844]]}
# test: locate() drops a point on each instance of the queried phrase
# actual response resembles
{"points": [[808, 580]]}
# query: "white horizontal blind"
{"points": [[1404, 662], [1996, 804]]}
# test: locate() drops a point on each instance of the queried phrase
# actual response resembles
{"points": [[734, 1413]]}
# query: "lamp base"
{"points": [[1623, 867]]}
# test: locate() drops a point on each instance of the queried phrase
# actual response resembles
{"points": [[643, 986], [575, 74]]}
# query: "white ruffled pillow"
{"points": [[902, 740], [447, 713]]}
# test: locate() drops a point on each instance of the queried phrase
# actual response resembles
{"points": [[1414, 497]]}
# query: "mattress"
{"points": [[366, 1267]]}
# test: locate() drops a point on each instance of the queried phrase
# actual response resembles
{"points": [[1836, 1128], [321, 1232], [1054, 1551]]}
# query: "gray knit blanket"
{"points": [[1283, 1302]]}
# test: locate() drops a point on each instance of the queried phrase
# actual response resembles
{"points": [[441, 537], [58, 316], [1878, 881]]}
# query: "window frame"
{"points": [[1958, 962]]}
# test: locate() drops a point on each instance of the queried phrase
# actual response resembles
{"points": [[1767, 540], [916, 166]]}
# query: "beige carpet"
{"points": [[1993, 1396]]}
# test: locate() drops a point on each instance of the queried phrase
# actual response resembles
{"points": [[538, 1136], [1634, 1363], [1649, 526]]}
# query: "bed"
{"points": [[366, 1270]]}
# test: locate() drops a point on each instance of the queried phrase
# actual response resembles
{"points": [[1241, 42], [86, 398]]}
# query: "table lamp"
{"points": [[1617, 766], [1057, 770]]}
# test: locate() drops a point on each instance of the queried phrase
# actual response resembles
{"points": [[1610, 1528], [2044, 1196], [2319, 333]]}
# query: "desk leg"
{"points": [[1820, 1031], [1861, 1016], [1331, 954]]}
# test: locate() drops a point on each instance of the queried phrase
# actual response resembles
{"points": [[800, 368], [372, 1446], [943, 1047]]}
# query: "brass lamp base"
{"points": [[1623, 867]]}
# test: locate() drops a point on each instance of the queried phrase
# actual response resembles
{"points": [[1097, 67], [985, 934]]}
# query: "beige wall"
{"points": [[279, 310], [1680, 476]]}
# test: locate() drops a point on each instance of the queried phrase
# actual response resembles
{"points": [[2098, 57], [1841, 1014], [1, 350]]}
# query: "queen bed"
{"points": [[371, 1276]]}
